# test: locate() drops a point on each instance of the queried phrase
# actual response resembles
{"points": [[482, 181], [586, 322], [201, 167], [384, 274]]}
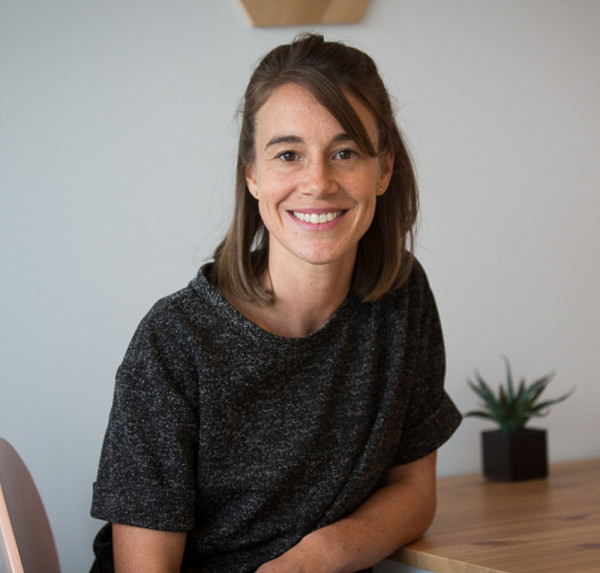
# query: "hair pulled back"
{"points": [[327, 70]]}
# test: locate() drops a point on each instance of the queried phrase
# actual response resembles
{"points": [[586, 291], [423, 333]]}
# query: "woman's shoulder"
{"points": [[409, 303], [192, 302], [416, 285]]}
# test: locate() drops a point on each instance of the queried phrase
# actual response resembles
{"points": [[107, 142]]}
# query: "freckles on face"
{"points": [[315, 186]]}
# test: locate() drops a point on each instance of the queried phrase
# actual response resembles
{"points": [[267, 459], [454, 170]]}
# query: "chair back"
{"points": [[27, 542]]}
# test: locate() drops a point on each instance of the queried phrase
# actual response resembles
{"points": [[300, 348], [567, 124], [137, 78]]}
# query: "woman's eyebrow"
{"points": [[343, 136], [283, 139]]}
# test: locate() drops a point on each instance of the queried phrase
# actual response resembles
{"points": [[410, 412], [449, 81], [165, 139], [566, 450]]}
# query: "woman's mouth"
{"points": [[317, 218]]}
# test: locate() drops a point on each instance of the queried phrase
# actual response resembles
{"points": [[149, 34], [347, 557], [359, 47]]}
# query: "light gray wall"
{"points": [[117, 145]]}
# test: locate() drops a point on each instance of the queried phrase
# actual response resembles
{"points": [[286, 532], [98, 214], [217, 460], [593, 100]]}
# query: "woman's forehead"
{"points": [[292, 103]]}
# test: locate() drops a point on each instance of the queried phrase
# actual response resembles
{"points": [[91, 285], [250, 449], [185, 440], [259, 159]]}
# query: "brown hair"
{"points": [[326, 69]]}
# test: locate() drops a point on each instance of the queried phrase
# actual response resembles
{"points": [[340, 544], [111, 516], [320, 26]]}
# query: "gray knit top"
{"points": [[248, 441]]}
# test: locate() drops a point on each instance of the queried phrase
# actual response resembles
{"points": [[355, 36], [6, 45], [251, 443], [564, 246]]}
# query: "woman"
{"points": [[282, 413]]}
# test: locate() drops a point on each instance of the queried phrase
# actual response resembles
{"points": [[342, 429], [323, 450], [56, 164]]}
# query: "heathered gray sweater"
{"points": [[247, 440]]}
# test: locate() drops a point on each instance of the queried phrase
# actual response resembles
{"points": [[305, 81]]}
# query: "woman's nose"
{"points": [[318, 178]]}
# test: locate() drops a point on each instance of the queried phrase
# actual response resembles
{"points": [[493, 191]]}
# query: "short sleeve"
{"points": [[431, 416], [147, 470], [431, 433]]}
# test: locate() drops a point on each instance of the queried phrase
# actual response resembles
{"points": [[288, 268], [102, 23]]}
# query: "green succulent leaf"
{"points": [[511, 409], [481, 414], [509, 379]]}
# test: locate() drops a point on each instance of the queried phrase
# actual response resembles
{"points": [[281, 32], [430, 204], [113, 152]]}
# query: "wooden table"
{"points": [[539, 526]]}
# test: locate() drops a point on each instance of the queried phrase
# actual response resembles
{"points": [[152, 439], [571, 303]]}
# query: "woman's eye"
{"points": [[345, 154], [288, 156]]}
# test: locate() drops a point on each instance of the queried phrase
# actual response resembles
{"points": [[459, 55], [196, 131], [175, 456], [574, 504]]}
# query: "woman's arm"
{"points": [[398, 513], [139, 550]]}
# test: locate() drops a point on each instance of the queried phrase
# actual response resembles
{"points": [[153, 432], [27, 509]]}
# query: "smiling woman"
{"points": [[282, 413]]}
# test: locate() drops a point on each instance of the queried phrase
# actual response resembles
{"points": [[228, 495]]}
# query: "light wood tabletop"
{"points": [[538, 526]]}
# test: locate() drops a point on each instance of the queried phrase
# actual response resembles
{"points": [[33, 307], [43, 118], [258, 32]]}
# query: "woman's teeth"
{"points": [[317, 218]]}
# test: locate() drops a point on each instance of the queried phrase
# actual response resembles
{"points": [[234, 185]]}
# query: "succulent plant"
{"points": [[511, 408]]}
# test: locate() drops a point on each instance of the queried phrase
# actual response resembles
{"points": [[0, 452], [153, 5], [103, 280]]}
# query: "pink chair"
{"points": [[27, 541]]}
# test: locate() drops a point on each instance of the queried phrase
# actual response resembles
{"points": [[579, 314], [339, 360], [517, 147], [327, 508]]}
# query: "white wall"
{"points": [[117, 144]]}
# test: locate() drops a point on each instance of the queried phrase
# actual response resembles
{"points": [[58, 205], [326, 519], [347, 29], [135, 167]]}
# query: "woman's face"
{"points": [[316, 190]]}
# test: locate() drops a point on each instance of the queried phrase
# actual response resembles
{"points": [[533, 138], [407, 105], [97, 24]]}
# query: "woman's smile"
{"points": [[317, 217]]}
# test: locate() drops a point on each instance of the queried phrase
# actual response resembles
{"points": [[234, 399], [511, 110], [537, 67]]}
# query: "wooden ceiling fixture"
{"points": [[298, 12]]}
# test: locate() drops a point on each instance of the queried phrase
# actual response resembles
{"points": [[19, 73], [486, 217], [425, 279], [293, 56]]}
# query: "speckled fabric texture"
{"points": [[247, 440]]}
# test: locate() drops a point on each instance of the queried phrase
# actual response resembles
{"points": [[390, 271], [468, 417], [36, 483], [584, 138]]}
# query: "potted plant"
{"points": [[514, 452]]}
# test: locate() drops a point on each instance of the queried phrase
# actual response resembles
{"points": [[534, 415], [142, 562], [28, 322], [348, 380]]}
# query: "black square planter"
{"points": [[514, 457]]}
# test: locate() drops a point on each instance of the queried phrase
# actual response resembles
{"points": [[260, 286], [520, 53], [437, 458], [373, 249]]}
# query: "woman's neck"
{"points": [[304, 298], [304, 302]]}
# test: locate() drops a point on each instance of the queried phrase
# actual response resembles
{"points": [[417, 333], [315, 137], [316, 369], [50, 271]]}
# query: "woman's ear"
{"points": [[386, 166], [250, 176]]}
